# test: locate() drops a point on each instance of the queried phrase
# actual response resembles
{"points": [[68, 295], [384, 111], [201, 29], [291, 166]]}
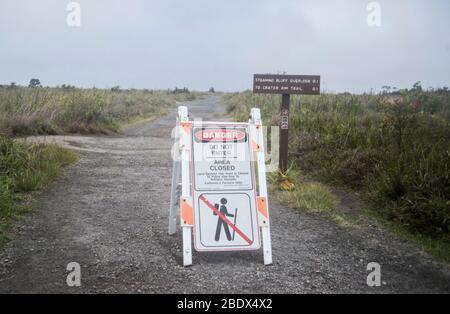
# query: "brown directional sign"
{"points": [[286, 84]]}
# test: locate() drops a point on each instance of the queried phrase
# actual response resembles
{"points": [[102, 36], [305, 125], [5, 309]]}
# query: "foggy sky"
{"points": [[203, 43]]}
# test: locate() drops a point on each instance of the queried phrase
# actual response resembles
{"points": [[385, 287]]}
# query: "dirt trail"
{"points": [[109, 212]]}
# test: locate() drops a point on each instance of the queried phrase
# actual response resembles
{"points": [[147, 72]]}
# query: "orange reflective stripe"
{"points": [[186, 126], [262, 205], [186, 212], [255, 146]]}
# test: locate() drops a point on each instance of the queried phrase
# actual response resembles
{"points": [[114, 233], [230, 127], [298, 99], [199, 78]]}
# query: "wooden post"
{"points": [[284, 132]]}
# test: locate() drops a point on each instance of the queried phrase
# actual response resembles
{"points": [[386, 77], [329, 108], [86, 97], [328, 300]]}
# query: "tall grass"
{"points": [[23, 168], [71, 110], [396, 148], [32, 111]]}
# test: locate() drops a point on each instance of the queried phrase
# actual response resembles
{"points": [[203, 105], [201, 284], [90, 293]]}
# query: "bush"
{"points": [[414, 191], [26, 167], [70, 110], [394, 146], [310, 197]]}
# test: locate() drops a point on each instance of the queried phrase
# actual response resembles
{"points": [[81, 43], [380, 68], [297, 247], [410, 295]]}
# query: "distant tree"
{"points": [[13, 85], [115, 88], [34, 82], [68, 86], [386, 89], [442, 90], [417, 87], [181, 90], [211, 90]]}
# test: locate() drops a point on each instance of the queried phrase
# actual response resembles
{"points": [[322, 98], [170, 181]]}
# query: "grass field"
{"points": [[392, 147], [24, 168], [27, 111], [45, 111]]}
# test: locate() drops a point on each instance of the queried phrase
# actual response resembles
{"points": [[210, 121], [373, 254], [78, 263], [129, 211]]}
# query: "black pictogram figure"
{"points": [[220, 223]]}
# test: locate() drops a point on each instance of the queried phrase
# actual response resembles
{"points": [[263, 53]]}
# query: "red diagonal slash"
{"points": [[224, 218]]}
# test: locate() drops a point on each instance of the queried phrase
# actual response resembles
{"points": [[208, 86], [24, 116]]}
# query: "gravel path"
{"points": [[108, 212]]}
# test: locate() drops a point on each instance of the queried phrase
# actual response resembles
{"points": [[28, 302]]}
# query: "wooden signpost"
{"points": [[285, 85]]}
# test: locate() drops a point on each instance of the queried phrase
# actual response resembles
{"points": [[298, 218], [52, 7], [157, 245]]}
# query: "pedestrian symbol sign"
{"points": [[223, 199], [221, 226]]}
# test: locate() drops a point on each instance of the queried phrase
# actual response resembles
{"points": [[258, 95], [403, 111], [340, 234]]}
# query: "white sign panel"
{"points": [[224, 197]]}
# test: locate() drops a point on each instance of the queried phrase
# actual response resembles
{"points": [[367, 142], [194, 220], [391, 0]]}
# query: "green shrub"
{"points": [[26, 167], [414, 191], [396, 147], [311, 197], [34, 111]]}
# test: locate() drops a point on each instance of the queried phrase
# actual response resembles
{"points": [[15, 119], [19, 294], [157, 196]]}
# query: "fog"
{"points": [[204, 43]]}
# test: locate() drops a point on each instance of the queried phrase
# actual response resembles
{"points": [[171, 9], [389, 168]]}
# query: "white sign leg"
{"points": [[187, 246], [256, 123], [185, 184], [174, 197]]}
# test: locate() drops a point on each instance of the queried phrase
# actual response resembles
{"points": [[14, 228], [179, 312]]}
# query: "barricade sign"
{"points": [[223, 186]]}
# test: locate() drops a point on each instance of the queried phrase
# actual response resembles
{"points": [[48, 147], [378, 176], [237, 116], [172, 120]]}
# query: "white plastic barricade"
{"points": [[223, 203]]}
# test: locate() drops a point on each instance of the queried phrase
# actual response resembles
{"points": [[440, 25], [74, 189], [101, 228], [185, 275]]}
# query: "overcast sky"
{"points": [[203, 43]]}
